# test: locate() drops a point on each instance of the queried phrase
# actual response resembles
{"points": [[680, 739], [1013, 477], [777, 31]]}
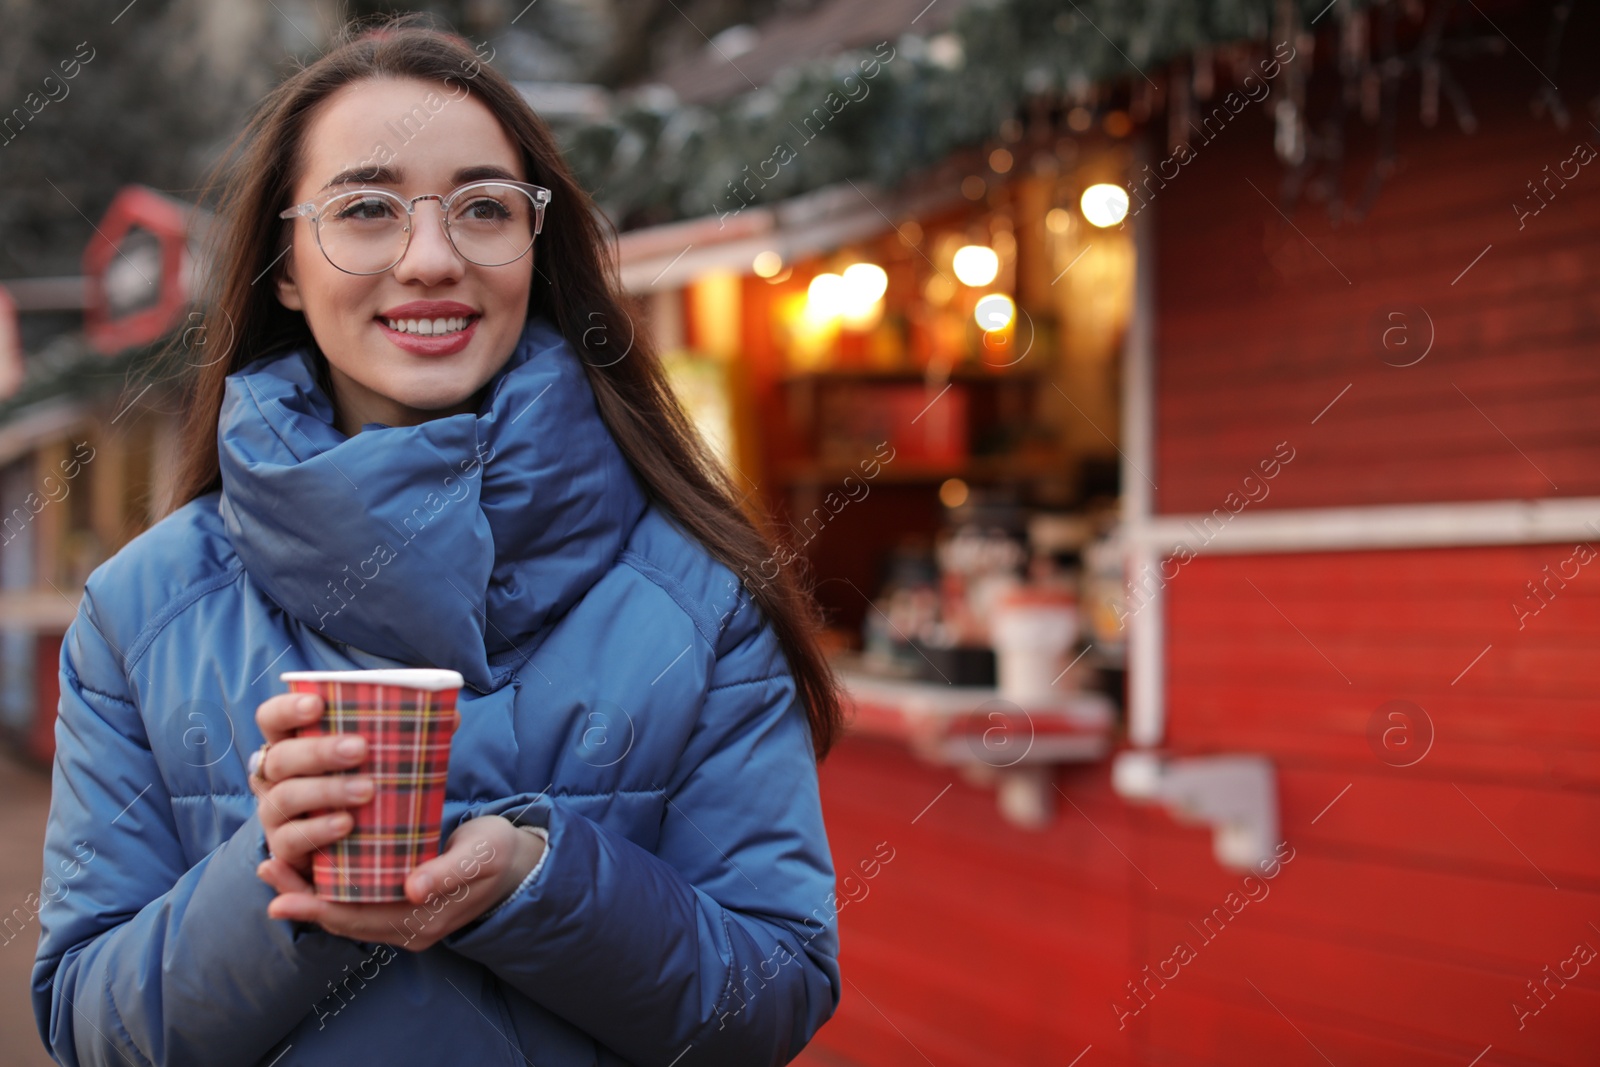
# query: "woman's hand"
{"points": [[483, 862], [301, 775]]}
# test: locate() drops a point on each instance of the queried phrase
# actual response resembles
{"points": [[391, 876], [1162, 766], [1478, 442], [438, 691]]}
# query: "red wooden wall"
{"points": [[1418, 903], [1262, 327], [1426, 896], [979, 943], [1421, 900]]}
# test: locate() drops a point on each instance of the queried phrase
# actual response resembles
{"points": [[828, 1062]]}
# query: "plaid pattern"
{"points": [[408, 735]]}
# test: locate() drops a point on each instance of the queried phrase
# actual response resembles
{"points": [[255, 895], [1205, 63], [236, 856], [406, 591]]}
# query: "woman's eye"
{"points": [[369, 208], [485, 209]]}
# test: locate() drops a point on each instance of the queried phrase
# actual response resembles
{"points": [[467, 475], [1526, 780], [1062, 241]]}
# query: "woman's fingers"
{"points": [[279, 716], [300, 757], [483, 861], [282, 877], [299, 787], [299, 796], [403, 924], [295, 841], [296, 899]]}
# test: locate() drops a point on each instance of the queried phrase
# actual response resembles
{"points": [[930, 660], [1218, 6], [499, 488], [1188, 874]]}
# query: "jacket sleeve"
{"points": [[719, 947], [144, 958]]}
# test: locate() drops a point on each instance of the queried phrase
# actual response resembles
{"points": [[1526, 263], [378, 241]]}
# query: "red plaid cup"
{"points": [[408, 717]]}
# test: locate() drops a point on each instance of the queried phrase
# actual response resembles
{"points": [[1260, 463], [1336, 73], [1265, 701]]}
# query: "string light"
{"points": [[825, 299], [995, 312], [1104, 205], [864, 286], [976, 265], [767, 264]]}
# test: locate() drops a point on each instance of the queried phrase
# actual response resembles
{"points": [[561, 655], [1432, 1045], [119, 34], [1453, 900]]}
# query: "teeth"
{"points": [[427, 327]]}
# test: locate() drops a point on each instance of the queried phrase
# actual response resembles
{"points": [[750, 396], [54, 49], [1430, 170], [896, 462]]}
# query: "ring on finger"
{"points": [[258, 764]]}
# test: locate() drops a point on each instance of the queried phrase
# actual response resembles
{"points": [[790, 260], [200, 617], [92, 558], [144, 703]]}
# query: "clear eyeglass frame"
{"points": [[313, 209]]}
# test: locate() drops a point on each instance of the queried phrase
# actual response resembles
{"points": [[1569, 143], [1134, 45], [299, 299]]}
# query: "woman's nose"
{"points": [[430, 258]]}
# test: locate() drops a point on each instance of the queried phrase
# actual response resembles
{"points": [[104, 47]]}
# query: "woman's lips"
{"points": [[439, 344]]}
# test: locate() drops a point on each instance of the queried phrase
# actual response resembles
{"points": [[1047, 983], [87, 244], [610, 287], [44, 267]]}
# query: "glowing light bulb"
{"points": [[976, 265], [767, 264], [994, 312], [825, 297], [1104, 205], [866, 282], [864, 286]]}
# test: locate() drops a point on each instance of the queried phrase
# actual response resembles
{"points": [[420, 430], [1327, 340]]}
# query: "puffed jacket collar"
{"points": [[455, 543]]}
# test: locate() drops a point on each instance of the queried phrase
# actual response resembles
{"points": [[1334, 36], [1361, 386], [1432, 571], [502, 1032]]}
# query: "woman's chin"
{"points": [[421, 403]]}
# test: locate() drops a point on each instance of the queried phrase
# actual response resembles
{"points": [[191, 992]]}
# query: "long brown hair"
{"points": [[583, 299]]}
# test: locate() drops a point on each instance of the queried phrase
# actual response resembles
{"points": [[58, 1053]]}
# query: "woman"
{"points": [[437, 440]]}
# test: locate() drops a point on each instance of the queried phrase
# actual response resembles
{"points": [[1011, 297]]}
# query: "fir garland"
{"points": [[656, 160]]}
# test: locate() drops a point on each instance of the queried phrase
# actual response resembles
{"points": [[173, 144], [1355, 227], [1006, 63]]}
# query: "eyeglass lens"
{"points": [[367, 231]]}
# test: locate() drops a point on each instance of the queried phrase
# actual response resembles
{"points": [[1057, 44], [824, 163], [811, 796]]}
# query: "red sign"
{"points": [[139, 269]]}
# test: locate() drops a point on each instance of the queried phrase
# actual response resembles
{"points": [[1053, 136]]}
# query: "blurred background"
{"points": [[1185, 411]]}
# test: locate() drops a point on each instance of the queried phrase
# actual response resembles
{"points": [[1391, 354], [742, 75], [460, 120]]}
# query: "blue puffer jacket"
{"points": [[623, 692]]}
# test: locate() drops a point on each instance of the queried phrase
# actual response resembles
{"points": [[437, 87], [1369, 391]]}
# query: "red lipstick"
{"points": [[436, 344]]}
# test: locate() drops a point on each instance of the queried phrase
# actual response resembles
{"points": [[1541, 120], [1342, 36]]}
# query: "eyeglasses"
{"points": [[367, 231]]}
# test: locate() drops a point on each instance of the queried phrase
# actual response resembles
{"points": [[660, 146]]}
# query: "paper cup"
{"points": [[1032, 631], [408, 718]]}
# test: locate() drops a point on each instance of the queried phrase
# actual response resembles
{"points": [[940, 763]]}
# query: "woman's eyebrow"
{"points": [[483, 172], [382, 175], [364, 176]]}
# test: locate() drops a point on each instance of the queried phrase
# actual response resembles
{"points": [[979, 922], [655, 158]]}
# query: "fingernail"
{"points": [[338, 822], [424, 885], [306, 704], [349, 747], [360, 789]]}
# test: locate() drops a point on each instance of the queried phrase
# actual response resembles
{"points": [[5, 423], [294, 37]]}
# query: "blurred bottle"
{"points": [[1105, 596]]}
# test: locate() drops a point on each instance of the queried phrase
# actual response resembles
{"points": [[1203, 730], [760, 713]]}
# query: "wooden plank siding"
{"points": [[1257, 332], [1423, 900], [979, 943], [1425, 897]]}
